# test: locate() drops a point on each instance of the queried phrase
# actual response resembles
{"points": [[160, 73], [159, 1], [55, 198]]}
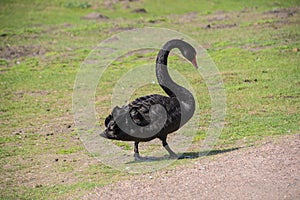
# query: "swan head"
{"points": [[188, 52]]}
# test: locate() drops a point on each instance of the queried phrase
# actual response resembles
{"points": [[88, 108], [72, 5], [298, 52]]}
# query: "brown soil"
{"points": [[13, 52], [268, 171]]}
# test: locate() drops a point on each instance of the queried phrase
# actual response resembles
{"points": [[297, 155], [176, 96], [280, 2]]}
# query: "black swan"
{"points": [[141, 120]]}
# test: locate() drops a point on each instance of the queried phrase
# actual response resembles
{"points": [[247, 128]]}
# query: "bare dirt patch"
{"points": [[268, 171], [111, 3], [283, 12], [95, 16], [13, 52], [185, 18]]}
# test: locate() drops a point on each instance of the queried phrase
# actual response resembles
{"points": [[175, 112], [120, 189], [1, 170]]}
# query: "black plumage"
{"points": [[155, 116]]}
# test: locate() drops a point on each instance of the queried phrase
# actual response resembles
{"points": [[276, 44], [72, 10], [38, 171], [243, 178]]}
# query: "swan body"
{"points": [[141, 121]]}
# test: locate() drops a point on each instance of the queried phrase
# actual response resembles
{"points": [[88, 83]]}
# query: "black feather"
{"points": [[142, 120]]}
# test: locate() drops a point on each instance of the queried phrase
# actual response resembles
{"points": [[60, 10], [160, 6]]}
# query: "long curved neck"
{"points": [[166, 82], [162, 74]]}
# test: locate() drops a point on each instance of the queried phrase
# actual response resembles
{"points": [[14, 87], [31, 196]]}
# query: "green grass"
{"points": [[42, 45], [68, 151]]}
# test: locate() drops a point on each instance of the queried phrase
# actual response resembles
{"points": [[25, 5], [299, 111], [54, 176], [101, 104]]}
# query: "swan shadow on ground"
{"points": [[192, 155], [186, 155]]}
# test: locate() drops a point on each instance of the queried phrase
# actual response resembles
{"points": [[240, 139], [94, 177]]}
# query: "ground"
{"points": [[255, 45], [270, 170]]}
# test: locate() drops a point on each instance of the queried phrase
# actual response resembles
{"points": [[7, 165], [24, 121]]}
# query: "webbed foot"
{"points": [[174, 156], [137, 157]]}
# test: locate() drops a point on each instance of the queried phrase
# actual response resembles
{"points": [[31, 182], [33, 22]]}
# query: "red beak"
{"points": [[194, 61]]}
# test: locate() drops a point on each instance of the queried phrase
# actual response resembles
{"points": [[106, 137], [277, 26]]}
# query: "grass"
{"points": [[42, 45]]}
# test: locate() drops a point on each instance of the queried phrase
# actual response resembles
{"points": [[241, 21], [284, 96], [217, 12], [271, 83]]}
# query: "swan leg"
{"points": [[137, 156], [172, 153], [136, 151]]}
